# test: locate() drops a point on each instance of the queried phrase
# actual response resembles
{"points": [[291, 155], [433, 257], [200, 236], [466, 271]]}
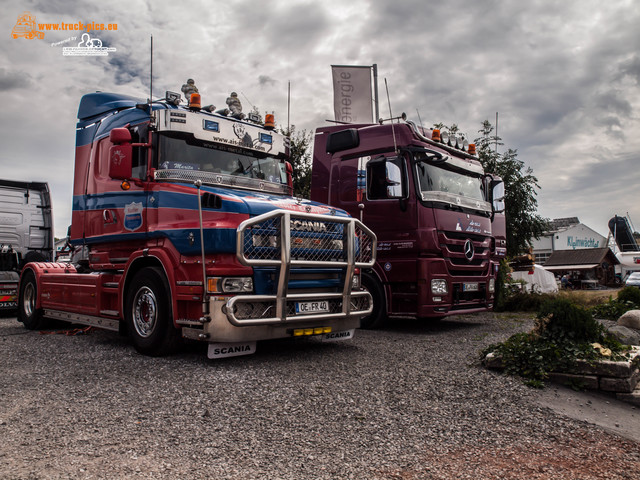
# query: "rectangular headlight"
{"points": [[492, 285], [229, 285], [439, 286]]}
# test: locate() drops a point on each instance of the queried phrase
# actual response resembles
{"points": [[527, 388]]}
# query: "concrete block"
{"points": [[608, 368], [622, 385], [589, 382], [633, 397]]}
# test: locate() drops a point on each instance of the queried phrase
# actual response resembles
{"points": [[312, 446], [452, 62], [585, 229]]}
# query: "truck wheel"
{"points": [[378, 316], [33, 257], [28, 314], [148, 314]]}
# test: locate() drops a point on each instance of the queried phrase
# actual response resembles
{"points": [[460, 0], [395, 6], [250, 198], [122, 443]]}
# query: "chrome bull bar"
{"points": [[285, 239]]}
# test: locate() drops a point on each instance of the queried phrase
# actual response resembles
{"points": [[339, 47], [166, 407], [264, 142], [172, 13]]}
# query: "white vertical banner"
{"points": [[352, 98]]}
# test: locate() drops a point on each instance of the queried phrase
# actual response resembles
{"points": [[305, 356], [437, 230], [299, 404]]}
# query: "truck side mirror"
{"points": [[497, 195], [393, 180], [120, 154]]}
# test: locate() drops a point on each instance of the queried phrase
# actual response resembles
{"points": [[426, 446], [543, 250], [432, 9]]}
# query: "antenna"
{"points": [[247, 99], [496, 132], [393, 131], [419, 119], [375, 91], [289, 109], [151, 76]]}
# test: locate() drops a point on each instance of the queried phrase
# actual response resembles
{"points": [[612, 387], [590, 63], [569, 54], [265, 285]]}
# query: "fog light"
{"points": [[492, 285], [439, 286], [437, 299]]}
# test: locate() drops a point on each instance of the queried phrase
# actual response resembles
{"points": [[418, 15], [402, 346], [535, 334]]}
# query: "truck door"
{"points": [[381, 184], [115, 209]]}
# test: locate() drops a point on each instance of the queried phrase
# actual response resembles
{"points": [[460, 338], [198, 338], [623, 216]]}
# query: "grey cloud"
{"points": [[266, 80], [11, 80], [630, 68]]}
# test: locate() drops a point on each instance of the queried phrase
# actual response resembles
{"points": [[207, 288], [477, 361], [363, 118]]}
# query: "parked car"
{"points": [[633, 280]]}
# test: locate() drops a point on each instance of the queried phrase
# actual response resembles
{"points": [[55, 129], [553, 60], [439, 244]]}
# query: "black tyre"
{"points": [[148, 313], [378, 316], [28, 314], [33, 257]]}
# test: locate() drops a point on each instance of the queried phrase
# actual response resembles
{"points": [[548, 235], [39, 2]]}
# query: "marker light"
{"points": [[435, 136], [269, 121], [125, 185], [472, 149], [194, 102], [300, 332]]}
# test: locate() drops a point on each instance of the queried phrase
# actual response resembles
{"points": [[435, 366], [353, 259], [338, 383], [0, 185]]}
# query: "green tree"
{"points": [[300, 159], [523, 222]]}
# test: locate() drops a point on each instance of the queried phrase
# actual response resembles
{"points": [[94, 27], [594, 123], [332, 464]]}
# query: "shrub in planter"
{"points": [[560, 317], [629, 294], [563, 332]]}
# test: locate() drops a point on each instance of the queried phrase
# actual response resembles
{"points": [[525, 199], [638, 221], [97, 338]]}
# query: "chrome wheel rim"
{"points": [[29, 299], [145, 312]]}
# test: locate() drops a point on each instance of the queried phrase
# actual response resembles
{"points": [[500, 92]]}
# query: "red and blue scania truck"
{"points": [[439, 218], [183, 226]]}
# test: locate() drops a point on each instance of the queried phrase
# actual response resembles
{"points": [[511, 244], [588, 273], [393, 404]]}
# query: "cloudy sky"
{"points": [[564, 77]]}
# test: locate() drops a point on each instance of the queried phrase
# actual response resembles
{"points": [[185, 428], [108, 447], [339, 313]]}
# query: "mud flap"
{"points": [[225, 350], [337, 336]]}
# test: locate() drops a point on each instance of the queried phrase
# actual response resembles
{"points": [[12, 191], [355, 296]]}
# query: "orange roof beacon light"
{"points": [[472, 149], [269, 121], [435, 136], [194, 102]]}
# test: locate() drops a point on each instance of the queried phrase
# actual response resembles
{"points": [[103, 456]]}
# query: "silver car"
{"points": [[633, 280]]}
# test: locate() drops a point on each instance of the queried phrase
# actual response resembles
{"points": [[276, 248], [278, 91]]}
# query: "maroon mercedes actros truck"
{"points": [[438, 216]]}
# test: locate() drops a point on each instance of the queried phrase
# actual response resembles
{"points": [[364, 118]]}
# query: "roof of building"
{"points": [[562, 223], [583, 256]]}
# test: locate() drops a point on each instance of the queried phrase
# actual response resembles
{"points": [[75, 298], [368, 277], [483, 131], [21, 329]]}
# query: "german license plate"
{"points": [[304, 308], [469, 287]]}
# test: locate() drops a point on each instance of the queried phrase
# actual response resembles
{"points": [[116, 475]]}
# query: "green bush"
{"points": [[524, 302], [628, 299], [564, 318], [630, 294], [563, 332]]}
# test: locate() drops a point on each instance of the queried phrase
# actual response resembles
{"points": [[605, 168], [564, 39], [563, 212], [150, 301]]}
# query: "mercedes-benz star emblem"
{"points": [[469, 251]]}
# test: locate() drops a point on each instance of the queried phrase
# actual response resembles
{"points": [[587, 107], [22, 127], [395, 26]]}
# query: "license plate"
{"points": [[304, 308], [469, 287]]}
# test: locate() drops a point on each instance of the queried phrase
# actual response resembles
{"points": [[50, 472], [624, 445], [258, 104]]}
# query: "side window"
{"points": [[384, 178], [140, 154]]}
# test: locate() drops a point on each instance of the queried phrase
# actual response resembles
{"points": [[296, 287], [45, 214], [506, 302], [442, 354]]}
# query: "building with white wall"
{"points": [[572, 248]]}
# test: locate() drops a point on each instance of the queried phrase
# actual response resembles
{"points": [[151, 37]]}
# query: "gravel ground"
{"points": [[408, 402]]}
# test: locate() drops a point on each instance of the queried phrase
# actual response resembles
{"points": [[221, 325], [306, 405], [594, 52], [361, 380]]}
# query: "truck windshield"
{"points": [[441, 184], [188, 159]]}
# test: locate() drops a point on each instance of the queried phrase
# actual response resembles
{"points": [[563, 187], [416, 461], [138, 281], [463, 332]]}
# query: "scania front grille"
{"points": [[291, 242]]}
